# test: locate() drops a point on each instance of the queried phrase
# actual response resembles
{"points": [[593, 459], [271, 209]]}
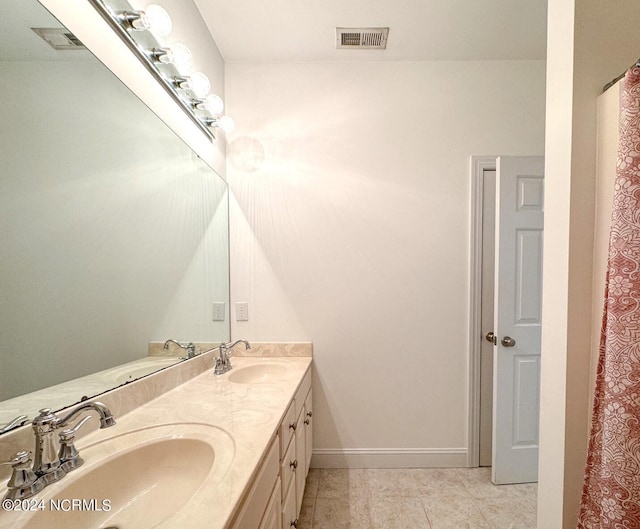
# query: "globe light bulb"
{"points": [[199, 84], [158, 21], [182, 57], [226, 124], [214, 104]]}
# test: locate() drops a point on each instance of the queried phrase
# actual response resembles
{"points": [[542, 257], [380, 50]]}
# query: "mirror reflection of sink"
{"points": [[257, 373], [145, 476]]}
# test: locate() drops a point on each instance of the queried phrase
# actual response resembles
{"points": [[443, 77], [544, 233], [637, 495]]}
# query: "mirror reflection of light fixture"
{"points": [[169, 64]]}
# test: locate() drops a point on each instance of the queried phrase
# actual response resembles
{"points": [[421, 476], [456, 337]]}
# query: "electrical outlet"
{"points": [[218, 311], [242, 311]]}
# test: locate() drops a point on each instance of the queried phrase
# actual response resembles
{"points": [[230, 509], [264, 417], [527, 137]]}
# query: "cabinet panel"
{"points": [[308, 431], [301, 459]]}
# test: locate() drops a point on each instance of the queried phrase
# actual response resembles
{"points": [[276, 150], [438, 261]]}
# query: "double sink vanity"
{"points": [[190, 448]]}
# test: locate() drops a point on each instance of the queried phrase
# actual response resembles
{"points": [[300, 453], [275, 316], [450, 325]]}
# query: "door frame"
{"points": [[479, 164]]}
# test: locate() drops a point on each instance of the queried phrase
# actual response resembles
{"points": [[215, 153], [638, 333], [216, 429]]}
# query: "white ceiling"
{"points": [[304, 30]]}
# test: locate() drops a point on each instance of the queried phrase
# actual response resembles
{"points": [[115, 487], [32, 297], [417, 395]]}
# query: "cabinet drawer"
{"points": [[287, 428]]}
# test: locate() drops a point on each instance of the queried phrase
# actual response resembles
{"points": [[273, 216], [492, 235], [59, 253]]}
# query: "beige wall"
{"points": [[589, 43], [351, 229]]}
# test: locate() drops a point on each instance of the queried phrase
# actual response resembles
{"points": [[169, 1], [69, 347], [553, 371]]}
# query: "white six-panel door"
{"points": [[517, 325]]}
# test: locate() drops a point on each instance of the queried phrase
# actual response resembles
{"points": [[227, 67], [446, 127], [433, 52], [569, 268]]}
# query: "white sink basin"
{"points": [[257, 373], [146, 476]]}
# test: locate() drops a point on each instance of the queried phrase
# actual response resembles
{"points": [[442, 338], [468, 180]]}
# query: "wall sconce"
{"points": [[142, 32]]}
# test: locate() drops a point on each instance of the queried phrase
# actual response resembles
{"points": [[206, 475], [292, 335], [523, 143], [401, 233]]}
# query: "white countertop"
{"points": [[249, 413]]}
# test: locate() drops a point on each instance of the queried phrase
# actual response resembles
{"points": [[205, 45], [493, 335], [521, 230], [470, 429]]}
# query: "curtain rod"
{"points": [[611, 83]]}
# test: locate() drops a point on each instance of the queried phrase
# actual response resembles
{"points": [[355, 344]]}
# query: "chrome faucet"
{"points": [[223, 363], [51, 462], [190, 347]]}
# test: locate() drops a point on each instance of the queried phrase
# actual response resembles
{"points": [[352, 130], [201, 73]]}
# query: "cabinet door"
{"points": [[301, 459], [308, 434], [289, 518]]}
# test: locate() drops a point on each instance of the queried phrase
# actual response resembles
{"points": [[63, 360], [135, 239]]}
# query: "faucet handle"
{"points": [[23, 482], [18, 421], [68, 454]]}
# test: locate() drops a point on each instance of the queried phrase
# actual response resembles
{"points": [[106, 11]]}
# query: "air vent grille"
{"points": [[59, 38], [362, 38]]}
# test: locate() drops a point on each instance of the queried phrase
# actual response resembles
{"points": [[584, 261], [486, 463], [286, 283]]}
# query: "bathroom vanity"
{"points": [[218, 451]]}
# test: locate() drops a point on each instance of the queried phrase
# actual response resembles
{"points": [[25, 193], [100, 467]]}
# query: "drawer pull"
{"points": [[307, 422], [309, 413], [294, 523], [293, 465], [293, 426]]}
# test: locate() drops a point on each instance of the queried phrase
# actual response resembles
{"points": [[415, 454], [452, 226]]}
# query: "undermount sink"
{"points": [[257, 373], [146, 476]]}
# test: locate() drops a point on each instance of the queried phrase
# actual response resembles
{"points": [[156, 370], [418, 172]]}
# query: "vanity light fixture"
{"points": [[154, 19], [170, 64], [182, 57], [197, 82], [212, 104], [161, 55], [224, 123]]}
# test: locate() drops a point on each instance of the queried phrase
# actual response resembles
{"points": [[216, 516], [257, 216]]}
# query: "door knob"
{"points": [[507, 341], [491, 337]]}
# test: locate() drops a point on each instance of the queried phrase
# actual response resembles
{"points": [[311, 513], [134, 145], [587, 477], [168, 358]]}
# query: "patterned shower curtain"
{"points": [[611, 493]]}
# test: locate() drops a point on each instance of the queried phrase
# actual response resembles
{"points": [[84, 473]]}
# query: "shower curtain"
{"points": [[611, 492]]}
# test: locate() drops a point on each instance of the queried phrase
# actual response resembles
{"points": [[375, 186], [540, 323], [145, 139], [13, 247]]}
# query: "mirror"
{"points": [[114, 233]]}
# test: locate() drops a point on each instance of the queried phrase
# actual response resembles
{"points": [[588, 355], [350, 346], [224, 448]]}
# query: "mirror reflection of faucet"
{"points": [[53, 459], [190, 348]]}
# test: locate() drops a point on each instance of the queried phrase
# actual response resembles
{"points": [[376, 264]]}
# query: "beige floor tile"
{"points": [[440, 482], [398, 513], [478, 482], [454, 513], [341, 513], [508, 513], [313, 479], [341, 483], [306, 512], [391, 482]]}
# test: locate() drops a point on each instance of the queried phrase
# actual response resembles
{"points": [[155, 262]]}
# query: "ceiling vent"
{"points": [[59, 38], [362, 38]]}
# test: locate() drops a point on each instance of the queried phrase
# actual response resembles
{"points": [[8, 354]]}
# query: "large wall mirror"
{"points": [[114, 234]]}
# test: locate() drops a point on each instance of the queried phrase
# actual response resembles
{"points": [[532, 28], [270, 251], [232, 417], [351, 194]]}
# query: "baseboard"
{"points": [[390, 458]]}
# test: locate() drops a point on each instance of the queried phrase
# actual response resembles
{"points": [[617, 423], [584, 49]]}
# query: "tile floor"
{"points": [[432, 498]]}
